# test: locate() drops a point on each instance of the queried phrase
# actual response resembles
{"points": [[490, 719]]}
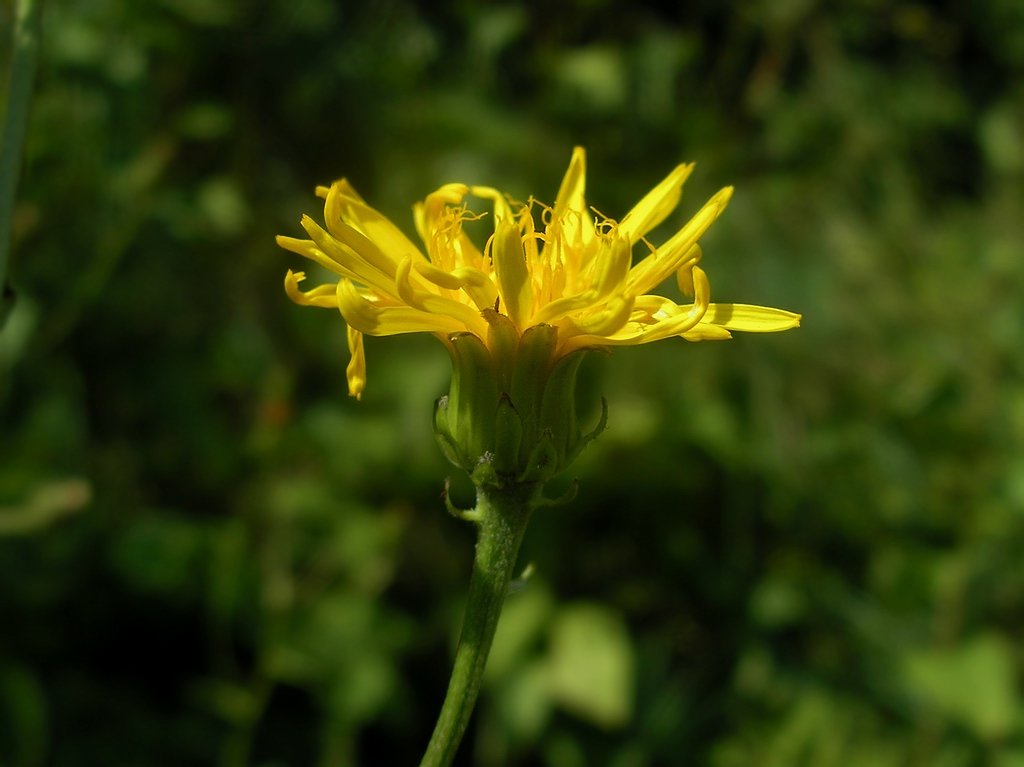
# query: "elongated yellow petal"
{"points": [[341, 256], [613, 267], [366, 317], [511, 272], [477, 284], [425, 300], [655, 206], [651, 308], [606, 322], [439, 221], [356, 369], [751, 319], [430, 212], [502, 211], [570, 193], [704, 332], [308, 249], [345, 207], [294, 244], [354, 243], [684, 274], [344, 186], [633, 334], [657, 268], [324, 296], [570, 211], [611, 271]]}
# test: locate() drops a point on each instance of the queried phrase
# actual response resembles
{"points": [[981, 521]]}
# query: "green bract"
{"points": [[510, 418]]}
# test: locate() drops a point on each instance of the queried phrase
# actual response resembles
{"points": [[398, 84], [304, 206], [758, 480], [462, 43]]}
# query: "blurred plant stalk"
{"points": [[27, 31], [47, 504]]}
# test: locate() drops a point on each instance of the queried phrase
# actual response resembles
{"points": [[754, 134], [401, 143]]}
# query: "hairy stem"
{"points": [[503, 515]]}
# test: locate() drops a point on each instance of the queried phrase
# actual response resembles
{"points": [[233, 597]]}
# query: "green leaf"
{"points": [[592, 664], [524, 702], [1013, 757], [522, 620], [972, 684]]}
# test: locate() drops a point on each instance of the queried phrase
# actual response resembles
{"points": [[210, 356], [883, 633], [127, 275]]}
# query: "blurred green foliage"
{"points": [[801, 549]]}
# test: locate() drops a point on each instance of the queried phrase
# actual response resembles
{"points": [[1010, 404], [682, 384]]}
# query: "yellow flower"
{"points": [[576, 274]]}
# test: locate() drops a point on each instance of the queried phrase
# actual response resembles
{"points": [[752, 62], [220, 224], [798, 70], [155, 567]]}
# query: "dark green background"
{"points": [[796, 549]]}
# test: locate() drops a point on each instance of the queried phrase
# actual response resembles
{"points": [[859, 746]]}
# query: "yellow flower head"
{"points": [[576, 274]]}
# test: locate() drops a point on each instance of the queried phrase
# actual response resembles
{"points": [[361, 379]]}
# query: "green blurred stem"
{"points": [[503, 515], [27, 30], [238, 745]]}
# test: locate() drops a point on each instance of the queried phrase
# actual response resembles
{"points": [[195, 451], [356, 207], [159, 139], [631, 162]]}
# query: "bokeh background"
{"points": [[797, 549]]}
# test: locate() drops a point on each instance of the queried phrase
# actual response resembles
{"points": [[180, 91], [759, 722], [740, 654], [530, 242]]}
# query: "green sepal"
{"points": [[473, 396], [567, 497], [503, 341], [586, 439], [558, 407], [445, 440], [470, 515], [542, 464], [533, 363], [508, 436], [484, 474]]}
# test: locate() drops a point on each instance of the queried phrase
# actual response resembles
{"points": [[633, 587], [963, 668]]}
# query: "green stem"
{"points": [[503, 515], [19, 96]]}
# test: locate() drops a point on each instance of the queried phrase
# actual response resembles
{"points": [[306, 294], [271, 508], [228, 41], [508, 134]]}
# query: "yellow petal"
{"points": [[656, 268], [570, 212], [610, 274], [439, 221], [634, 334], [611, 269], [683, 322], [354, 242], [347, 189], [684, 274], [655, 206], [652, 308], [422, 298], [356, 369], [751, 319], [344, 207], [294, 244], [367, 317], [502, 211], [570, 193], [356, 258], [704, 332], [308, 249], [478, 286], [511, 272], [429, 213], [608, 320], [324, 296]]}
